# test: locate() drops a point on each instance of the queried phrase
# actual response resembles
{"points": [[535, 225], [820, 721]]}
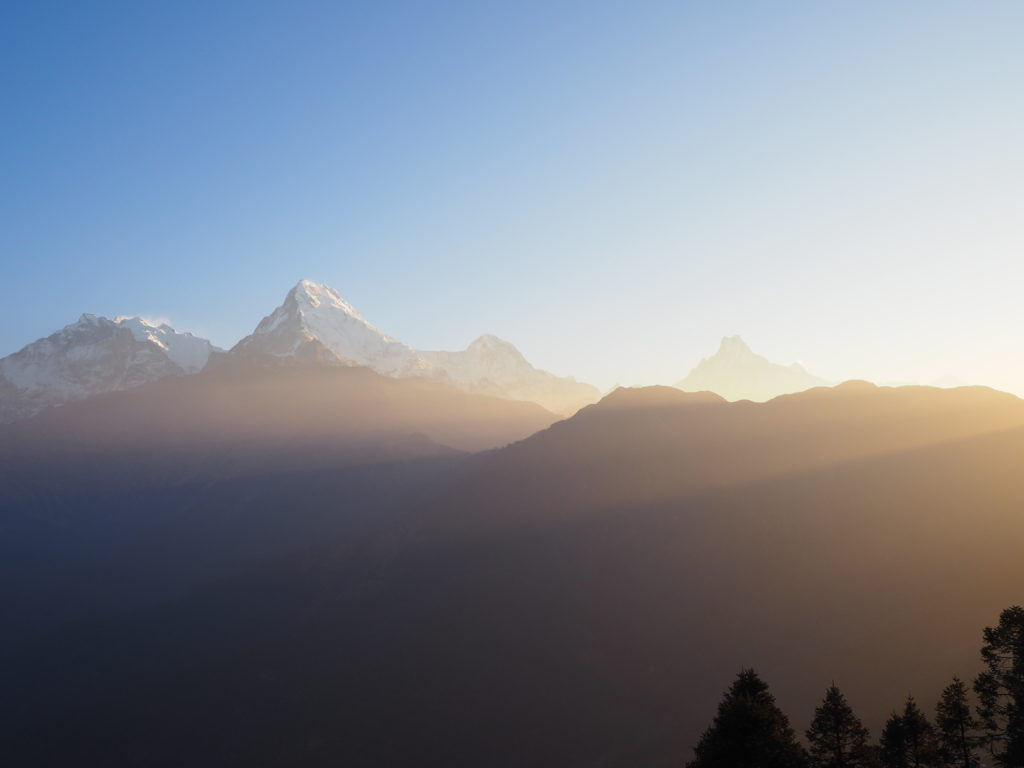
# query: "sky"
{"points": [[612, 187]]}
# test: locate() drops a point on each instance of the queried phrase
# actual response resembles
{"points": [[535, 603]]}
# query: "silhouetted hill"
{"points": [[131, 496], [577, 598], [263, 399]]}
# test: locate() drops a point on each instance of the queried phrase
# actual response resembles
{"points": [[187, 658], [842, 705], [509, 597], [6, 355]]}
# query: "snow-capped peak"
{"points": [[317, 295], [185, 349], [312, 312], [733, 345], [493, 346], [494, 366], [737, 373], [94, 355]]}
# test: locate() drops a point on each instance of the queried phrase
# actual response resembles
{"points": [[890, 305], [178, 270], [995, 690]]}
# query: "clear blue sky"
{"points": [[610, 186]]}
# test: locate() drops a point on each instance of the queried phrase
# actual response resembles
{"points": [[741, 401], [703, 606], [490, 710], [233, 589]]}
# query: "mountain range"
{"points": [[324, 547], [313, 324]]}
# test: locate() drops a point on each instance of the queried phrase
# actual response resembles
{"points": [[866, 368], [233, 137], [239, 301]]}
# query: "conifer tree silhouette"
{"points": [[837, 737], [955, 726], [909, 740], [1000, 689], [749, 731]]}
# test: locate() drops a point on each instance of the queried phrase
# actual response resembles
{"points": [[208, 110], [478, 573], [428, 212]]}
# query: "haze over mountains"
{"points": [[315, 324], [79, 484], [492, 366], [736, 373], [574, 599], [324, 547]]}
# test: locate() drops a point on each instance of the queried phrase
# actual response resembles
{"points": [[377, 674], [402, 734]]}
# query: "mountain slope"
{"points": [[493, 366], [248, 404], [580, 598], [84, 486], [736, 373], [91, 356]]}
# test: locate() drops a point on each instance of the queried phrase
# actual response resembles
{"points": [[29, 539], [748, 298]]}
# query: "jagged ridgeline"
{"points": [[313, 324]]}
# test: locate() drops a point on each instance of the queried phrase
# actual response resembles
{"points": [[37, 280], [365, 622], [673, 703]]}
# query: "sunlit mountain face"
{"points": [[736, 373]]}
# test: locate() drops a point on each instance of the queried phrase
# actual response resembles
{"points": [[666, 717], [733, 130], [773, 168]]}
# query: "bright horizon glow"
{"points": [[611, 188]]}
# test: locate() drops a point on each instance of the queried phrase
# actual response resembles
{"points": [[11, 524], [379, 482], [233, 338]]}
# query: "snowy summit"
{"points": [[315, 322], [92, 356], [736, 373]]}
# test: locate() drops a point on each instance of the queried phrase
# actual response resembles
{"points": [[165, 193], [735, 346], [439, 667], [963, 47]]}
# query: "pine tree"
{"points": [[922, 744], [749, 731], [837, 737], [893, 745], [1000, 689], [956, 726], [909, 740]]}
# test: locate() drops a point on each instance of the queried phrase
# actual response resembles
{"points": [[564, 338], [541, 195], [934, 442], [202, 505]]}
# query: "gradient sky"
{"points": [[610, 186]]}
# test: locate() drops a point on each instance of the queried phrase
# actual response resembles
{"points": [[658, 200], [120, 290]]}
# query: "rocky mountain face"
{"points": [[92, 356], [737, 373]]}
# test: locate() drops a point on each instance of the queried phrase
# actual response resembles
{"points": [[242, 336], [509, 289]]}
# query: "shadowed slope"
{"points": [[125, 497], [269, 399], [578, 598]]}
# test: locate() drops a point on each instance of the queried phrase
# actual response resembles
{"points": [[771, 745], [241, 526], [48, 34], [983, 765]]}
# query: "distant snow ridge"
{"points": [[313, 324], [92, 356], [314, 316], [316, 322], [495, 367], [189, 352], [737, 373]]}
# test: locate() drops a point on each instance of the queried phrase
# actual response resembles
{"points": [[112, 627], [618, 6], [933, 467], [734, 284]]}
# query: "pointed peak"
{"points": [[312, 294], [489, 341], [491, 347], [733, 345], [738, 373], [314, 311], [310, 288]]}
